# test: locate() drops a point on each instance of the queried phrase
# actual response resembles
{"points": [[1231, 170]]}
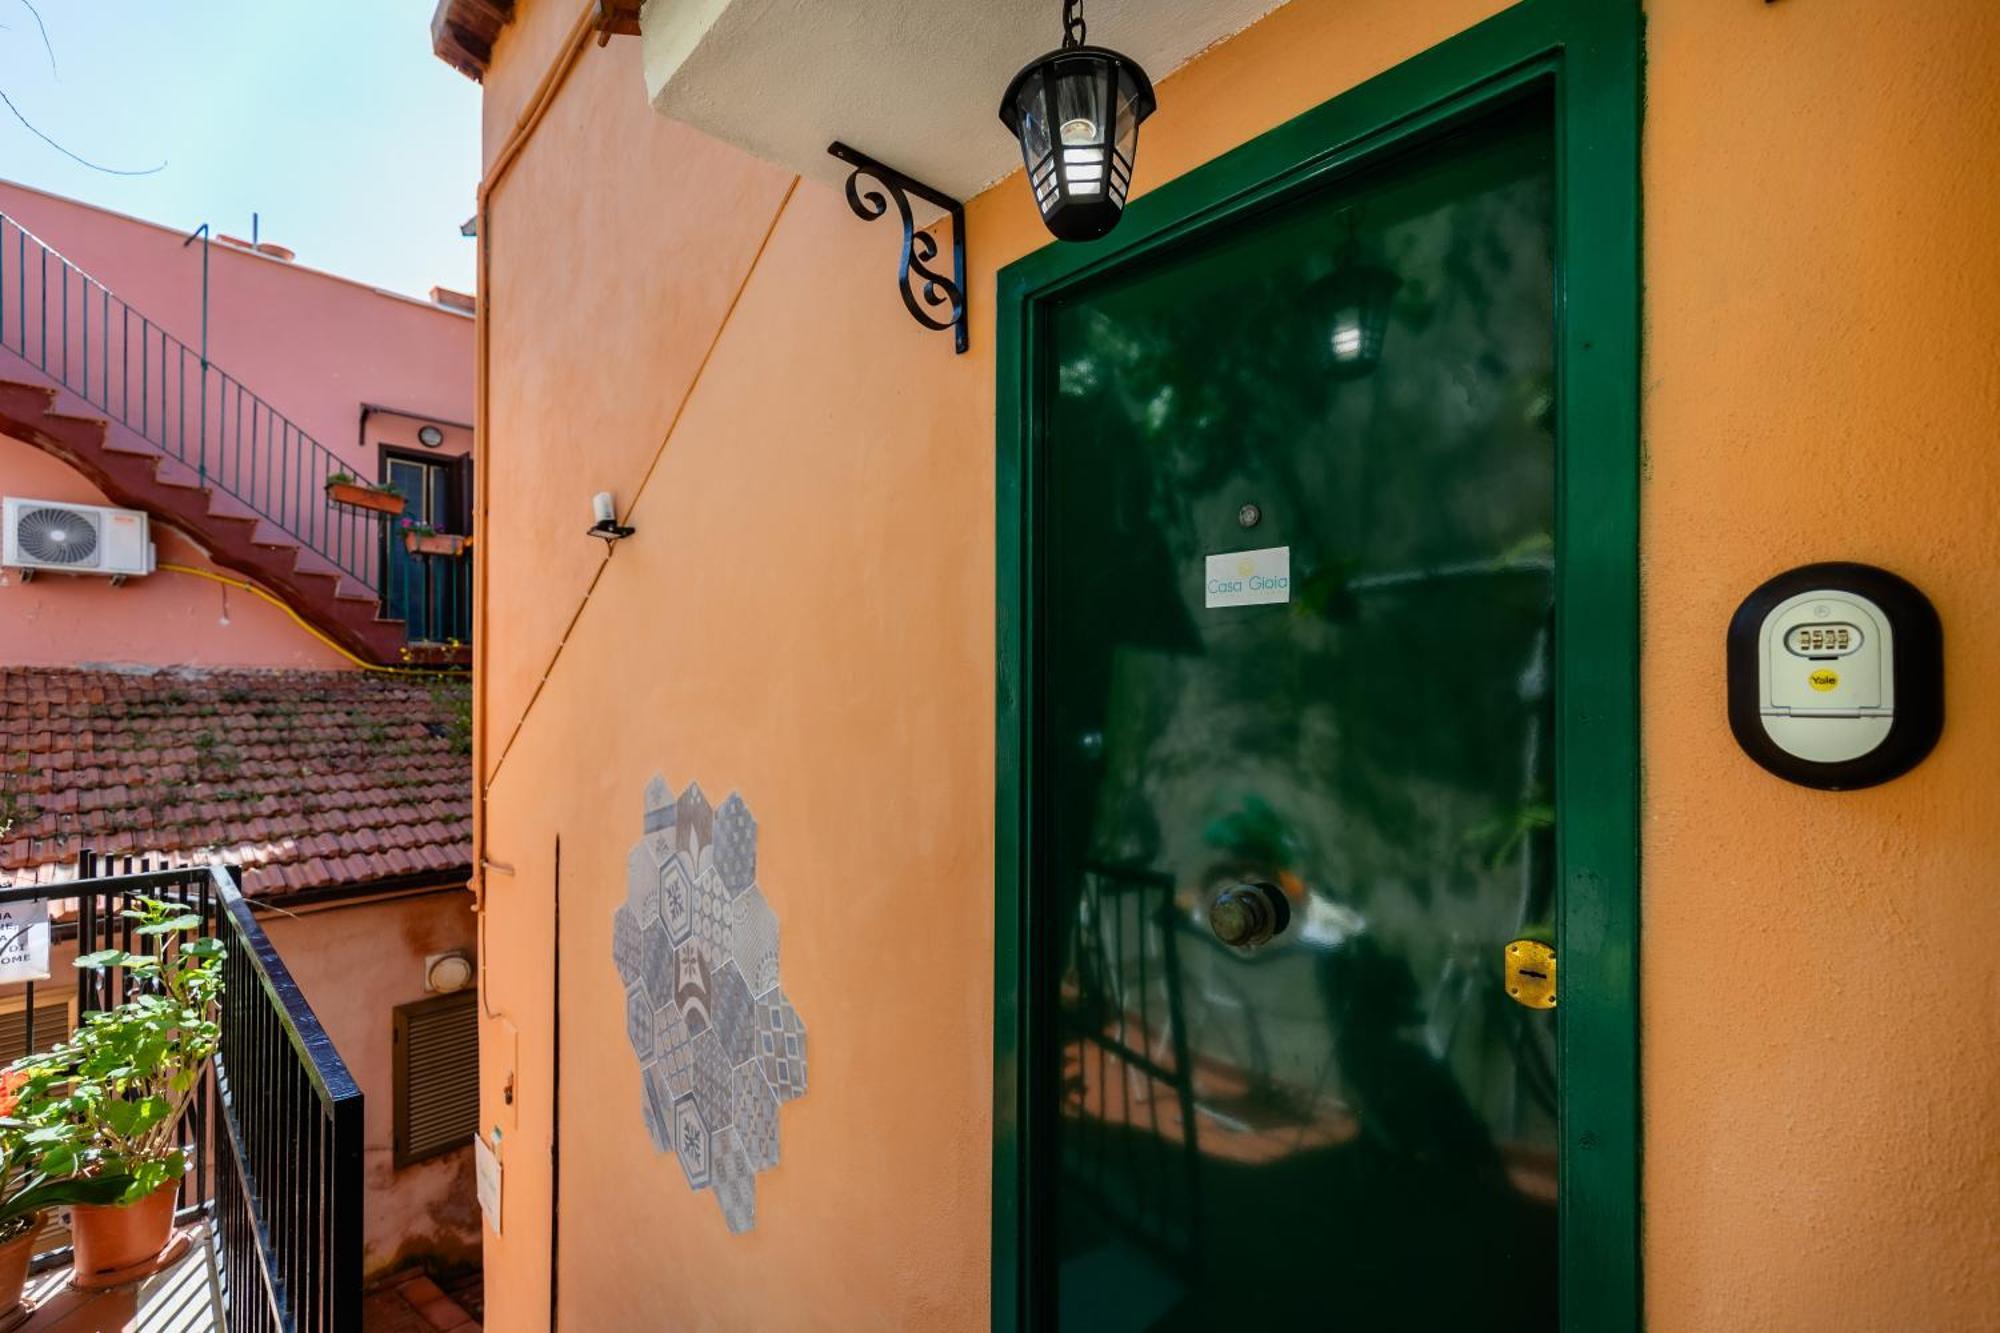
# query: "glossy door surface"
{"points": [[1349, 1124]]}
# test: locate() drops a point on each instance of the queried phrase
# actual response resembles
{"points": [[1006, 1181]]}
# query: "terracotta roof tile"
{"points": [[305, 780]]}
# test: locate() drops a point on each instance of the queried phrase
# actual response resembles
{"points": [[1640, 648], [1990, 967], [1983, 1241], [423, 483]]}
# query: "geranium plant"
{"points": [[108, 1102], [38, 1163]]}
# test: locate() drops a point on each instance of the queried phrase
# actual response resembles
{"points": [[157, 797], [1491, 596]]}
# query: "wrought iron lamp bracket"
{"points": [[933, 300]]}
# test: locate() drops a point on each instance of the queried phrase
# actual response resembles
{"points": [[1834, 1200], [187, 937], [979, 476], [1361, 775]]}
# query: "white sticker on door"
{"points": [[1250, 578]]}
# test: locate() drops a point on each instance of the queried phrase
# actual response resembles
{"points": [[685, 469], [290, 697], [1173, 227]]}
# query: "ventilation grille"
{"points": [[437, 1075], [57, 536]]}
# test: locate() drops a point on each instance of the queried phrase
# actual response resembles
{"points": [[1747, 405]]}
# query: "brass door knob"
{"points": [[1246, 916]]}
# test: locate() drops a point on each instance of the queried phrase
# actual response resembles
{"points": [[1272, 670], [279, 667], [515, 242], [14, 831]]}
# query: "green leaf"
{"points": [[103, 958], [206, 947]]}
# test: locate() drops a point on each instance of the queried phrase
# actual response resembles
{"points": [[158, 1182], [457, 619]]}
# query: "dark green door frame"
{"points": [[1589, 52]]}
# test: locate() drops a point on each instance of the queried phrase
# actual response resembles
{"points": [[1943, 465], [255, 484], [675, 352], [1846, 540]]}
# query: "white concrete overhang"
{"points": [[915, 84]]}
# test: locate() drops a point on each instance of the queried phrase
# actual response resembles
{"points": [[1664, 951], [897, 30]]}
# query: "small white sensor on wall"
{"points": [[604, 512]]}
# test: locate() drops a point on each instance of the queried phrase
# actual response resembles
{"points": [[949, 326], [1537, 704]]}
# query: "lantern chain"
{"points": [[1074, 33]]}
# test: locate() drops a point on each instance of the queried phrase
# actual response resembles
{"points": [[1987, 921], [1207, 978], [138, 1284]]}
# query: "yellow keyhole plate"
{"points": [[1531, 974]]}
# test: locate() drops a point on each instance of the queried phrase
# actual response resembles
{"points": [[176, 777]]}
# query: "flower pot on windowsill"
{"points": [[15, 1252], [435, 543], [364, 497], [114, 1238]]}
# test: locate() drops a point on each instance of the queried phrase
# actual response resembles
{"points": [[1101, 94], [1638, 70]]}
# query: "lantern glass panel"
{"points": [[1081, 114], [1125, 148]]}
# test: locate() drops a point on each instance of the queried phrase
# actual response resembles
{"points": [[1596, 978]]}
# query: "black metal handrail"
{"points": [[75, 331], [274, 1136]]}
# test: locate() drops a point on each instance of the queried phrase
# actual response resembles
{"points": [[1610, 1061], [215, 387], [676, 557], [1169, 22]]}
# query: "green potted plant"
{"points": [[343, 487], [116, 1090], [38, 1164], [420, 538]]}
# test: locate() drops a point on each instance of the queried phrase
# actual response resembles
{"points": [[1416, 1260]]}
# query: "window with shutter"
{"points": [[53, 1017], [437, 1075]]}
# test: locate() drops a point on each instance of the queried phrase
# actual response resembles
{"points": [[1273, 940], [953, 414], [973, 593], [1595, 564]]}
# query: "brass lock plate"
{"points": [[1531, 974]]}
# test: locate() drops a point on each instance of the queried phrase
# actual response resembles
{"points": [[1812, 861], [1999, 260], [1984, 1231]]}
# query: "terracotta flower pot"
{"points": [[364, 497], [110, 1237], [14, 1256]]}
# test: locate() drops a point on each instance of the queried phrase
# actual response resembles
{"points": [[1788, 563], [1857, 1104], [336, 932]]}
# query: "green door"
{"points": [[1293, 791]]}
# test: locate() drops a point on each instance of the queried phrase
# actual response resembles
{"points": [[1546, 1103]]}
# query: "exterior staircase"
{"points": [[156, 427]]}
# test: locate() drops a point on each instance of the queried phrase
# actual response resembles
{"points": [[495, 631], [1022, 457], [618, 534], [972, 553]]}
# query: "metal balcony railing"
{"points": [[77, 332], [274, 1137]]}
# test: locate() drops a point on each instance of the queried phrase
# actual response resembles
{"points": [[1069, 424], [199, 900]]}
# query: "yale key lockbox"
{"points": [[1836, 676]]}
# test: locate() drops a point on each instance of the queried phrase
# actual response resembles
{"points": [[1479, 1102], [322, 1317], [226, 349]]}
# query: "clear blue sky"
{"points": [[334, 122]]}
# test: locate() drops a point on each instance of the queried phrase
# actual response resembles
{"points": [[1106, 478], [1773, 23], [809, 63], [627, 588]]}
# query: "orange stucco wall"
{"points": [[1821, 999], [354, 965], [165, 619], [806, 615]]}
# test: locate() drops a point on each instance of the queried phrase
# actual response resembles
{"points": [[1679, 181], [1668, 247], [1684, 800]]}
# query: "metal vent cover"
{"points": [[57, 536], [437, 1075]]}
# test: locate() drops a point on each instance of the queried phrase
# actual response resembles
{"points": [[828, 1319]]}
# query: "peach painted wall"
{"points": [[354, 964], [1819, 990], [164, 619], [315, 346], [806, 614]]}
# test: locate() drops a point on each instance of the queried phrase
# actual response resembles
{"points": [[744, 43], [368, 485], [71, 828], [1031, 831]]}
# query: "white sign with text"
{"points": [[1250, 578], [24, 941]]}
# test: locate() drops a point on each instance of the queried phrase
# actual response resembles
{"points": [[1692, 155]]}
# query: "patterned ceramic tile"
{"points": [[656, 960], [642, 884], [713, 1091], [733, 1011], [639, 1022], [781, 1044], [656, 1128], [672, 1040], [659, 801], [694, 822], [691, 1142], [735, 845], [753, 940], [677, 896], [719, 1045], [713, 919], [756, 1115], [735, 1183], [691, 987], [625, 943], [658, 1108]]}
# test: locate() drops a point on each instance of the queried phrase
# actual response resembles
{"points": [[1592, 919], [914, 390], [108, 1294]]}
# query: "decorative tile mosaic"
{"points": [[676, 881], [625, 943], [713, 919], [735, 845], [691, 1142], [691, 986], [694, 822], [714, 1092], [659, 1109], [733, 1012], [735, 1183], [753, 940], [674, 1046], [781, 1044], [756, 1115], [719, 1045], [642, 885], [639, 1023], [656, 960]]}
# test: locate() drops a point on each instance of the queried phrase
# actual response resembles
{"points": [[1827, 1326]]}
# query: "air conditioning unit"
{"points": [[76, 539]]}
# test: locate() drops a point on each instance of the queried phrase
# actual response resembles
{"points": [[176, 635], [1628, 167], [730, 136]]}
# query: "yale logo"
{"points": [[1824, 679]]}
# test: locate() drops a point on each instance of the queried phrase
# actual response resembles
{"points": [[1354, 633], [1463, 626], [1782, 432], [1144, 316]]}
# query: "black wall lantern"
{"points": [[1076, 112]]}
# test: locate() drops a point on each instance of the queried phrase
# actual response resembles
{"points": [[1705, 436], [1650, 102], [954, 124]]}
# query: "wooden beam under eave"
{"points": [[463, 33]]}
